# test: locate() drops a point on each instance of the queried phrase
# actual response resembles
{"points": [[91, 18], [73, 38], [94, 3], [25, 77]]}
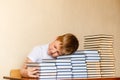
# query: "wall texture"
{"points": [[27, 23]]}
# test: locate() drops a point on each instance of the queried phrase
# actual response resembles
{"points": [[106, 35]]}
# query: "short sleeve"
{"points": [[35, 54]]}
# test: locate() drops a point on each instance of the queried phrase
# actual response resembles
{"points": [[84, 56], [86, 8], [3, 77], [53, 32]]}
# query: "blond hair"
{"points": [[69, 43]]}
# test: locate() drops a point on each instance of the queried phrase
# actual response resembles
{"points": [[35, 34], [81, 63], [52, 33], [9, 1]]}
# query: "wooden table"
{"points": [[112, 78]]}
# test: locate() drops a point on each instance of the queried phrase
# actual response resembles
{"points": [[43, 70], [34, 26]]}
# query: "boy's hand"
{"points": [[33, 72]]}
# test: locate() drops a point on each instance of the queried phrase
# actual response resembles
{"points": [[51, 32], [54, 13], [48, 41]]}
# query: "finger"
{"points": [[36, 72], [35, 68], [33, 74]]}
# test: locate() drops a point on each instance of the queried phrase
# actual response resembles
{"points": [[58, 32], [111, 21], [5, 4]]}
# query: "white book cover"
{"points": [[71, 56], [47, 67], [58, 63], [79, 70], [47, 77], [47, 70], [79, 67], [63, 60], [40, 64], [78, 58], [64, 76], [48, 74], [79, 62], [79, 73], [55, 60], [63, 70], [64, 73], [64, 67], [80, 76]]}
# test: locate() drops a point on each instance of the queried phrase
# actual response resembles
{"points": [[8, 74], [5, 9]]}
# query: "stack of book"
{"points": [[64, 68], [104, 44], [93, 63], [79, 69], [80, 64], [47, 70]]}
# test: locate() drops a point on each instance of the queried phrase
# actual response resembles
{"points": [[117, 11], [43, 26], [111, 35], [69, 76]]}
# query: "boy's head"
{"points": [[63, 45]]}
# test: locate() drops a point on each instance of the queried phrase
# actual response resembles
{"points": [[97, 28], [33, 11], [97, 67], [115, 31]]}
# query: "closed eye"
{"points": [[55, 47]]}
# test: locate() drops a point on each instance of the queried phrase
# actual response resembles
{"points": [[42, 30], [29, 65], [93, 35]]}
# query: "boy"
{"points": [[64, 45]]}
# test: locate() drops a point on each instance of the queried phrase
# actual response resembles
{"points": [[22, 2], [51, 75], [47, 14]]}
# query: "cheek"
{"points": [[51, 48]]}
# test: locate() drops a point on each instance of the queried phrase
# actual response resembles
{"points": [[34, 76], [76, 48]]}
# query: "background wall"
{"points": [[27, 23]]}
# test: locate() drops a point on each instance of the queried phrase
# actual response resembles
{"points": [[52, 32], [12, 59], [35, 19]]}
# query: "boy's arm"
{"points": [[28, 72]]}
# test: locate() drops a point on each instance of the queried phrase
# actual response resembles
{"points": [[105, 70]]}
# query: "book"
{"points": [[47, 77], [47, 70], [65, 73], [78, 58], [71, 56], [92, 54], [78, 62], [47, 67], [64, 70], [99, 35], [64, 67], [56, 60], [79, 70], [76, 67], [93, 63], [63, 64], [80, 76], [79, 65], [48, 74], [89, 51], [92, 58], [39, 64], [79, 73], [64, 77]]}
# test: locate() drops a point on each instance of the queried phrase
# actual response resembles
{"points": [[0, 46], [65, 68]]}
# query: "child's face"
{"points": [[54, 49]]}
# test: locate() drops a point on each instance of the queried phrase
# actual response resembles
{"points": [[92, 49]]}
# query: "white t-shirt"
{"points": [[39, 52]]}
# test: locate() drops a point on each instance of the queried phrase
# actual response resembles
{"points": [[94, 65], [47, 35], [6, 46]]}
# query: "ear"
{"points": [[56, 38]]}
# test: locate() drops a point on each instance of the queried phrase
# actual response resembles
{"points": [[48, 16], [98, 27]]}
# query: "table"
{"points": [[112, 78]]}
